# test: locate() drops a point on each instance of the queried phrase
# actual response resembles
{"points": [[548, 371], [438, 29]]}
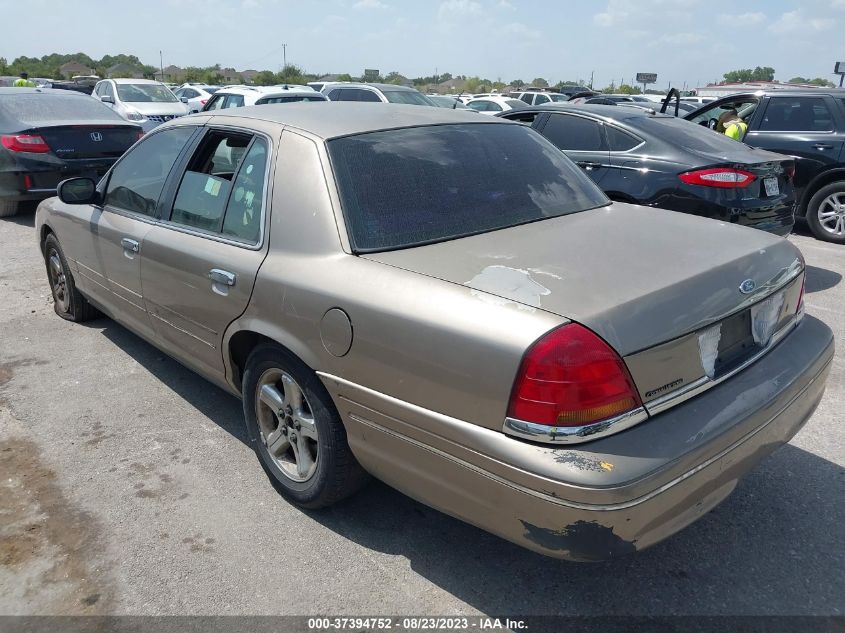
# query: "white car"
{"points": [[240, 96], [538, 97], [143, 101], [196, 94], [494, 105]]}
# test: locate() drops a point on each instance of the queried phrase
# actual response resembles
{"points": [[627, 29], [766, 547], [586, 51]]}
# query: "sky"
{"points": [[683, 41]]}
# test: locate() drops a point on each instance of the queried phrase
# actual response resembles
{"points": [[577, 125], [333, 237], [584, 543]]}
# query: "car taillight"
{"points": [[789, 172], [31, 143], [571, 377], [723, 177], [203, 101]]}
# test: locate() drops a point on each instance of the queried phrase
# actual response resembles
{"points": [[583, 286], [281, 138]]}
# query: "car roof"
{"points": [[792, 92], [46, 91], [344, 118], [128, 80], [358, 84], [616, 113], [262, 91]]}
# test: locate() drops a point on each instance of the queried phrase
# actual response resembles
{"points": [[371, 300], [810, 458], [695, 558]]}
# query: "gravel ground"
{"points": [[126, 488]]}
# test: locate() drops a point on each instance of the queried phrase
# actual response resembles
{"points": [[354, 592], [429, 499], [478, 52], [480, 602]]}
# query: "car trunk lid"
{"points": [[88, 141], [681, 275]]}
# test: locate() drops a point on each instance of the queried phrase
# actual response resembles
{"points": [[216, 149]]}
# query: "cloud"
{"points": [[744, 19], [645, 14], [504, 4], [369, 4], [521, 32], [458, 10], [796, 21]]}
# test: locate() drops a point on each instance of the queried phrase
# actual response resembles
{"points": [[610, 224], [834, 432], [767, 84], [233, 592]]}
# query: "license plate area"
{"points": [[736, 344], [771, 186]]}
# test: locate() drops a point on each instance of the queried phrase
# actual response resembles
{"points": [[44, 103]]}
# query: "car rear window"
{"points": [[685, 133], [405, 96], [35, 109], [413, 186]]}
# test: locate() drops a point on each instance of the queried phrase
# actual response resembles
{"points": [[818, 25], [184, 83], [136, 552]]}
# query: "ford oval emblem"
{"points": [[747, 287]]}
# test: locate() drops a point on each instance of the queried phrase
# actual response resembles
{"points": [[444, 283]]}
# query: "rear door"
{"points": [[130, 209], [200, 263], [809, 128], [582, 139]]}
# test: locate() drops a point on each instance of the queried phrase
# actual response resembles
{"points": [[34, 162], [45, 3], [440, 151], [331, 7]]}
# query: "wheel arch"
{"points": [[43, 231], [821, 180], [243, 337]]}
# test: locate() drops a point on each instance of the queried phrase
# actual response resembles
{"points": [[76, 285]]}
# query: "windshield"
{"points": [[412, 186], [406, 96], [145, 93], [555, 97]]}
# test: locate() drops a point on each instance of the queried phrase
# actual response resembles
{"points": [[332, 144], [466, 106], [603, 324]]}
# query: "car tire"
{"points": [[68, 302], [296, 431], [8, 208], [824, 201]]}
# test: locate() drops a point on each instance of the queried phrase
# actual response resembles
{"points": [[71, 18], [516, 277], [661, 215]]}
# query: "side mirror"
{"points": [[107, 99], [78, 191], [184, 99]]}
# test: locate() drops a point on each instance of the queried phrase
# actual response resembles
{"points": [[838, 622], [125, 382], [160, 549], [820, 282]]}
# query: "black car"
{"points": [[639, 156], [49, 135], [808, 125]]}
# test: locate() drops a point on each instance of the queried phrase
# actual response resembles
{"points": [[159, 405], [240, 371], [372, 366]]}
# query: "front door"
{"points": [[130, 208], [200, 264]]}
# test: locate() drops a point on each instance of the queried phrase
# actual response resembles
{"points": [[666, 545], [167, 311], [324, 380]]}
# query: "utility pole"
{"points": [[284, 56], [592, 74], [161, 64]]}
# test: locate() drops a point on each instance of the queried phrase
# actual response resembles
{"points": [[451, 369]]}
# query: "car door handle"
{"points": [[222, 277], [588, 165], [130, 245], [823, 146]]}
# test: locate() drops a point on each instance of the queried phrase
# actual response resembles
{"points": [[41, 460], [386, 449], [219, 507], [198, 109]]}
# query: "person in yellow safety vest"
{"points": [[24, 81], [732, 125]]}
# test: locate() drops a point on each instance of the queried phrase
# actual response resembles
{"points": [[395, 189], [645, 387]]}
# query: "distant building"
{"points": [[248, 76], [725, 89], [73, 68], [450, 86], [171, 74], [331, 77], [124, 70], [230, 76]]}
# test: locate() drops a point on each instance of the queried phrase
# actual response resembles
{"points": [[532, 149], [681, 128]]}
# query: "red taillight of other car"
{"points": [[571, 377], [203, 101], [31, 143], [722, 177]]}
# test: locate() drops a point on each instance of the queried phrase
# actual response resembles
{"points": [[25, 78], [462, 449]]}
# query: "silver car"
{"points": [[446, 302], [143, 101]]}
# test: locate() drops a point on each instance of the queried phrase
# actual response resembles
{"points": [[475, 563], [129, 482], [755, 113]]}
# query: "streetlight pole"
{"points": [[161, 64], [284, 56]]}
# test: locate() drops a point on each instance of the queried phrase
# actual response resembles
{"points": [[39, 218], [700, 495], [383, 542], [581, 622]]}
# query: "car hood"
{"points": [[159, 107], [638, 276]]}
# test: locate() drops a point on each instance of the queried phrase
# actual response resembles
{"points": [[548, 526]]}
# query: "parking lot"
{"points": [[126, 487]]}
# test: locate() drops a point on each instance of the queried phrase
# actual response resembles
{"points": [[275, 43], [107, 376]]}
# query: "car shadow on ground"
{"points": [[24, 217], [773, 547], [819, 279]]}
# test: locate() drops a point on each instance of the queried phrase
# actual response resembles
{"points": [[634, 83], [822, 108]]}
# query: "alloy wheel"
{"points": [[58, 280], [832, 214], [286, 424]]}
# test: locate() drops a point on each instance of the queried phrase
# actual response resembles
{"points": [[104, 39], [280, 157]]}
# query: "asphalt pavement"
{"points": [[126, 488]]}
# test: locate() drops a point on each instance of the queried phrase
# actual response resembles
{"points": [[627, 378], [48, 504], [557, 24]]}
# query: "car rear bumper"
{"points": [[30, 180], [600, 499]]}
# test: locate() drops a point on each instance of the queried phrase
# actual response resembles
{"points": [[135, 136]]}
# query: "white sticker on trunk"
{"points": [[708, 347], [764, 318]]}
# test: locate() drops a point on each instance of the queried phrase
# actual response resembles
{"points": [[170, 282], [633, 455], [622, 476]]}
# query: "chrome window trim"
{"points": [[574, 434]]}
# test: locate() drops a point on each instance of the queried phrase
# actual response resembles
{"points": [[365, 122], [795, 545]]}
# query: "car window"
{"points": [[189, 94], [288, 99], [448, 181], [205, 187], [559, 98], [574, 133], [215, 103], [492, 106], [526, 97], [179, 92], [411, 97], [136, 182], [243, 214], [619, 141], [108, 90], [336, 95], [745, 107], [540, 99], [797, 114], [481, 106], [233, 101], [363, 95]]}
